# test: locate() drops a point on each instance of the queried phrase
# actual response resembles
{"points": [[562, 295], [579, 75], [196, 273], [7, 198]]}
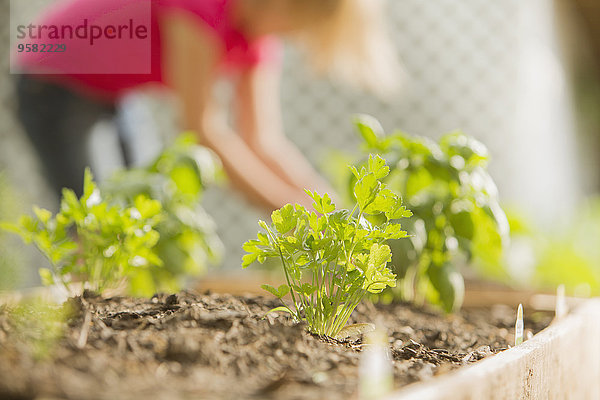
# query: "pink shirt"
{"points": [[127, 54]]}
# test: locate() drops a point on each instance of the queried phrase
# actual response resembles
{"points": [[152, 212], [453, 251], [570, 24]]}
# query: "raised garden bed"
{"points": [[561, 362], [219, 346], [226, 344]]}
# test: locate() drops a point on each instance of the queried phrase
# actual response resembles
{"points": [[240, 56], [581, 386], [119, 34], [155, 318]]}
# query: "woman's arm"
{"points": [[189, 65], [259, 121]]}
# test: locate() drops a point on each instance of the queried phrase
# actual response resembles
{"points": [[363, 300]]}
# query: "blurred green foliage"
{"points": [[35, 326], [456, 212], [145, 228], [90, 239], [10, 260], [177, 179], [569, 255]]}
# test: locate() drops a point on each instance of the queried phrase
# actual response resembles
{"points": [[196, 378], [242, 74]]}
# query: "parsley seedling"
{"points": [[90, 239], [188, 244], [332, 259], [140, 219]]}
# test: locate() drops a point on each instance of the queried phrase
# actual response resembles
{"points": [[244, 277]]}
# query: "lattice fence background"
{"points": [[491, 69]]}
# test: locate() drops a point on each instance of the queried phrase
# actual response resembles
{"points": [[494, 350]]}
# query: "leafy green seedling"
{"points": [[332, 259], [96, 242], [188, 243], [519, 326], [455, 206]]}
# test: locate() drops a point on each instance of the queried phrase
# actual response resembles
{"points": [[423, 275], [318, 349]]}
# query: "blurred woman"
{"points": [[193, 44]]}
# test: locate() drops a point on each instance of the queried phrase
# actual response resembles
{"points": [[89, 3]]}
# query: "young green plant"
{"points": [[332, 258], [89, 239], [456, 211], [188, 245]]}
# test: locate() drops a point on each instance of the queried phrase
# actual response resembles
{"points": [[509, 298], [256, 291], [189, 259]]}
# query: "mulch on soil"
{"points": [[220, 347]]}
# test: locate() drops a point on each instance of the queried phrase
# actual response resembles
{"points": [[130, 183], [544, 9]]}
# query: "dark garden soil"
{"points": [[220, 347]]}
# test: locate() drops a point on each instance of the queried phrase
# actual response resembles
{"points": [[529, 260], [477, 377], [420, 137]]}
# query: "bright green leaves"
{"points": [[448, 284], [452, 196], [306, 289], [257, 249], [379, 256], [91, 196], [373, 197], [46, 276], [366, 189], [42, 214], [145, 208], [92, 239], [378, 277], [385, 202], [322, 204], [249, 259], [461, 218], [378, 167], [371, 131], [284, 219], [188, 244], [280, 292], [332, 258]]}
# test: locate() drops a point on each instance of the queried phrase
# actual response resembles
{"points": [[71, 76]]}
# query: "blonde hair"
{"points": [[350, 43]]}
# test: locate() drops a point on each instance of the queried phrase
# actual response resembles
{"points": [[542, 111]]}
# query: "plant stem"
{"points": [[342, 289], [344, 315], [287, 278]]}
